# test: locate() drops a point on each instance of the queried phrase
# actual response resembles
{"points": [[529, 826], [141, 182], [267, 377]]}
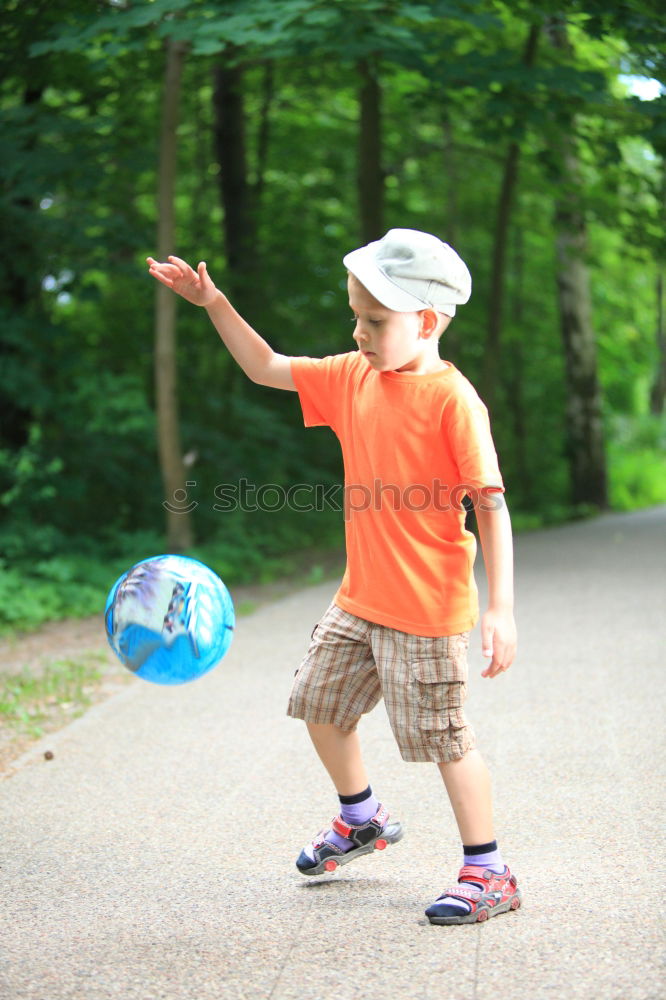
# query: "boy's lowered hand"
{"points": [[498, 640], [195, 286]]}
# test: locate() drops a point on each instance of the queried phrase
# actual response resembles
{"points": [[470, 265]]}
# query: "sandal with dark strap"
{"points": [[486, 893], [375, 835]]}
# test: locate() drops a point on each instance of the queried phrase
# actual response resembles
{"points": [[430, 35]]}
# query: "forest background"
{"points": [[269, 137]]}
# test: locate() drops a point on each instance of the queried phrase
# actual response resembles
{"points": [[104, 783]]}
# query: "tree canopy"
{"points": [[305, 128]]}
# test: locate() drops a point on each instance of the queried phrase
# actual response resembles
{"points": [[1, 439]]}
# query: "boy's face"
{"points": [[392, 341]]}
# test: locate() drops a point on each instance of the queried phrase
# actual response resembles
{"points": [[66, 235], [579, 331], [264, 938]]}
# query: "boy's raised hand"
{"points": [[195, 286]]}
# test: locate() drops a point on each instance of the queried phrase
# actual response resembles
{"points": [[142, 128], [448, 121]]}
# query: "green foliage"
{"points": [[637, 463], [70, 578], [63, 586], [80, 489]]}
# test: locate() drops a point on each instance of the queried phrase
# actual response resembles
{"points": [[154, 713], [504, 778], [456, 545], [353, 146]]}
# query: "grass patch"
{"points": [[32, 701], [246, 608]]}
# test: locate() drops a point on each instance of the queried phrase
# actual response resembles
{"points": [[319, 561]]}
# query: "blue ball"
{"points": [[169, 619]]}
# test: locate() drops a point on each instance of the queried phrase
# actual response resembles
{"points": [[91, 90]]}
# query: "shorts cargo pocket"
{"points": [[440, 671], [441, 718], [459, 737]]}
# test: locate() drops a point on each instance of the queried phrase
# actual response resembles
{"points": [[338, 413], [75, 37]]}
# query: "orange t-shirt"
{"points": [[412, 445]]}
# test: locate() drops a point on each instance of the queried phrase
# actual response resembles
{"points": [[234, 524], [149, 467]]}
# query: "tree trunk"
{"points": [[491, 354], [263, 130], [585, 436], [658, 393], [235, 191], [450, 166], [585, 439], [451, 339], [236, 196], [370, 173], [20, 285], [178, 521], [514, 379]]}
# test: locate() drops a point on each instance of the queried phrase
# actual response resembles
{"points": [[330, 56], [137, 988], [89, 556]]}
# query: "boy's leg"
{"points": [[335, 685], [424, 681], [340, 753], [485, 884], [363, 821], [468, 785]]}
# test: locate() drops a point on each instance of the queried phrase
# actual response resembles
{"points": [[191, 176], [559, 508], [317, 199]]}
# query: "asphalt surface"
{"points": [[153, 857]]}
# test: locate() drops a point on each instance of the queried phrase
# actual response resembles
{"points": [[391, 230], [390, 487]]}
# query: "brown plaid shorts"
{"points": [[352, 662]]}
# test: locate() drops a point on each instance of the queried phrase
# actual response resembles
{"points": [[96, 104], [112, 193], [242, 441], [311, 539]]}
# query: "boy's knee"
{"points": [[332, 727]]}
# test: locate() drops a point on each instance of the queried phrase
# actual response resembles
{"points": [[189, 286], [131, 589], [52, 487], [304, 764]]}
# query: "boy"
{"points": [[415, 439]]}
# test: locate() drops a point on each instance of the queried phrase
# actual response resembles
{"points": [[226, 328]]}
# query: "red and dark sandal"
{"points": [[486, 894], [375, 835]]}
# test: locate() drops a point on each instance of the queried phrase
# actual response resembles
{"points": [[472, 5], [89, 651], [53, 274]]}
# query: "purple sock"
{"points": [[355, 810], [483, 855]]}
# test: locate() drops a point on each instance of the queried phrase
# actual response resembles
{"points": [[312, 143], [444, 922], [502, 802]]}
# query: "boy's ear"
{"points": [[429, 322]]}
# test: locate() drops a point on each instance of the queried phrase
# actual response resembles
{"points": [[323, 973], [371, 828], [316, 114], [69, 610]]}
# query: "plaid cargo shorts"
{"points": [[352, 662]]}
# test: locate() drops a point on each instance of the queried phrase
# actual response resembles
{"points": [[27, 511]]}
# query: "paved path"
{"points": [[152, 858]]}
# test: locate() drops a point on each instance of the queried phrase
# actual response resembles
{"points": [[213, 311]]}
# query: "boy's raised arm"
{"points": [[257, 359]]}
